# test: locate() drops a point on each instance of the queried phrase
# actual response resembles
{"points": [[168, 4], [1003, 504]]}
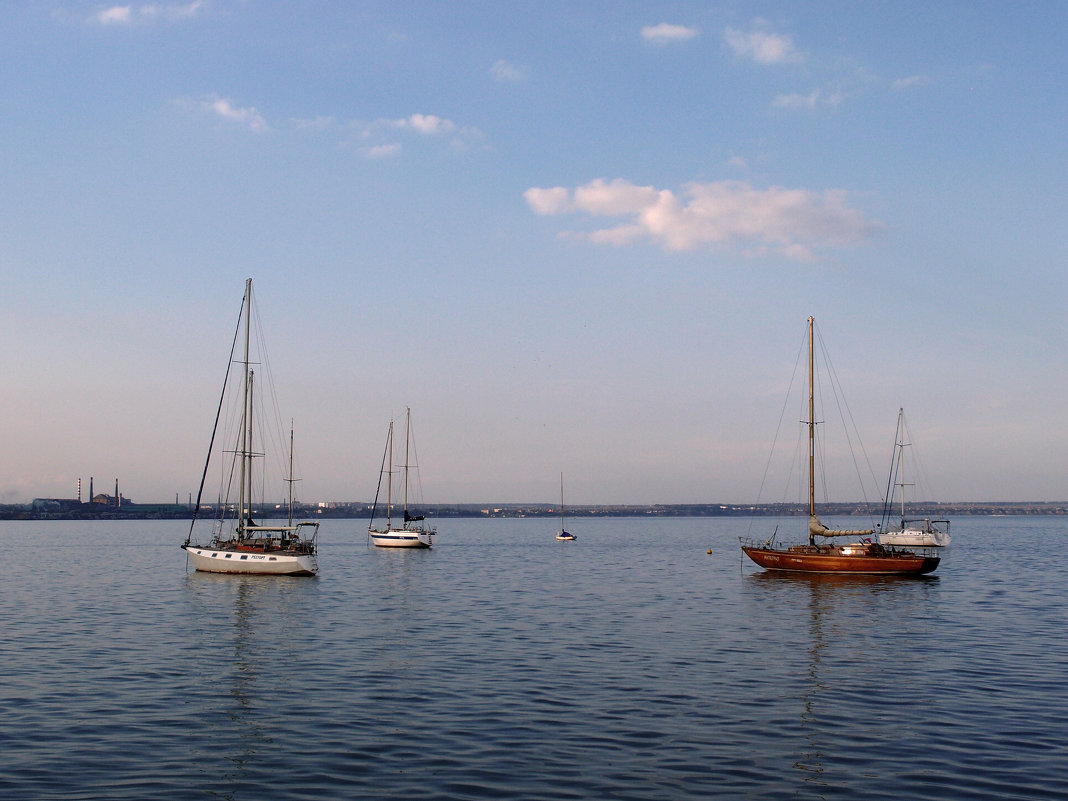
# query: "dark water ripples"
{"points": [[502, 664]]}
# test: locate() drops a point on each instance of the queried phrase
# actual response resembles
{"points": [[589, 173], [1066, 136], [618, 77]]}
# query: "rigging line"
{"points": [[779, 427], [215, 428], [891, 481], [846, 415], [381, 472]]}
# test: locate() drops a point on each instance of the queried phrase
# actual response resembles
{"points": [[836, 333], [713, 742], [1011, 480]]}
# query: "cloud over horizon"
{"points": [[793, 222]]}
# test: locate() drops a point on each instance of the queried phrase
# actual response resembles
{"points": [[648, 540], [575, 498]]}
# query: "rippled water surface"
{"points": [[631, 664]]}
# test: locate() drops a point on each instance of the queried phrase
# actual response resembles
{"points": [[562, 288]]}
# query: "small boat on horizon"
{"points": [[861, 556], [914, 531], [563, 534], [413, 532], [239, 544]]}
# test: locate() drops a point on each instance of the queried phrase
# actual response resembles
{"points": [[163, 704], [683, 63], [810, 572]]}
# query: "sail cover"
{"points": [[816, 528]]}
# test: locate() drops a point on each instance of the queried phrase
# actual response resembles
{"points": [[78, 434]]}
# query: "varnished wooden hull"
{"points": [[841, 560]]}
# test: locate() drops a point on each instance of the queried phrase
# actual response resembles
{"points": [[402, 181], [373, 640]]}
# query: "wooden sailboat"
{"points": [[863, 556], [563, 534], [914, 531], [413, 533], [239, 544]]}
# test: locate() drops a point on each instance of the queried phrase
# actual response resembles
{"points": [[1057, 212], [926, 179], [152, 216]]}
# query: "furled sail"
{"points": [[817, 529]]}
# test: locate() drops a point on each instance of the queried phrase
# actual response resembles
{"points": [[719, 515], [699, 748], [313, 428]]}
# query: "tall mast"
{"points": [[248, 453], [901, 460], [811, 435], [290, 472], [245, 445], [561, 501], [389, 481], [407, 433]]}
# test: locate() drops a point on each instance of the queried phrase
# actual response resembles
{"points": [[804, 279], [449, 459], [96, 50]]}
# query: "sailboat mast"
{"points": [[811, 427], [291, 473], [389, 481], [407, 434], [251, 444], [561, 501], [245, 445]]}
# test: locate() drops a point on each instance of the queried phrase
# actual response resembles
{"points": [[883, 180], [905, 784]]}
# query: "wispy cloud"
{"points": [[130, 15], [460, 137], [665, 32], [426, 124], [814, 99], [792, 222], [247, 116], [901, 84], [762, 47], [505, 72], [378, 152]]}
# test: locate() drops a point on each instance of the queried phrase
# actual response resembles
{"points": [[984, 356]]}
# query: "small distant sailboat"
{"points": [[563, 534], [860, 557], [916, 531], [250, 547], [413, 533]]}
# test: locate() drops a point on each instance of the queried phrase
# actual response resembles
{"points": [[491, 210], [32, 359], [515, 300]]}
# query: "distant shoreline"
{"points": [[62, 509]]}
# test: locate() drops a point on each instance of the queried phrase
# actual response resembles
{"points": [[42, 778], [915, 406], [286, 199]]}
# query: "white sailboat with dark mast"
{"points": [[239, 544], [413, 532], [914, 531], [563, 534]]}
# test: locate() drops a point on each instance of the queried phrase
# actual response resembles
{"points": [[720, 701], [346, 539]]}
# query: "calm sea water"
{"points": [[502, 664]]}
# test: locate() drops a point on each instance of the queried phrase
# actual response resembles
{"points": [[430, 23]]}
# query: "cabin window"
{"points": [[244, 556], [272, 559], [228, 555], [212, 556]]}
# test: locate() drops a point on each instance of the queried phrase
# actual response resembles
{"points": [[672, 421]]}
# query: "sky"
{"points": [[573, 237]]}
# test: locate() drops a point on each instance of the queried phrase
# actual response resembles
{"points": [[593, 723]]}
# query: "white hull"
{"points": [[402, 538], [272, 563], [915, 537]]}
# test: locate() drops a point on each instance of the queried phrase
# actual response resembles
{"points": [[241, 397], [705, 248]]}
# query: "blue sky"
{"points": [[578, 237]]}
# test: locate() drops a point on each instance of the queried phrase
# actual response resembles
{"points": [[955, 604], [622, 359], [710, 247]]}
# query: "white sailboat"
{"points": [[413, 532], [239, 544], [563, 534], [914, 531]]}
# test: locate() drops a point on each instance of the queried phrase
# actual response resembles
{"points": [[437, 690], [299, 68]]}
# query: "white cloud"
{"points": [[426, 124], [548, 201], [378, 152], [792, 222], [762, 47], [666, 32], [245, 116], [128, 15], [503, 72], [116, 15]]}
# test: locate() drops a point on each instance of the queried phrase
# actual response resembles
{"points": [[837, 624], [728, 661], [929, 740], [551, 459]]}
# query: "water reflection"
{"points": [[245, 666], [826, 612]]}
